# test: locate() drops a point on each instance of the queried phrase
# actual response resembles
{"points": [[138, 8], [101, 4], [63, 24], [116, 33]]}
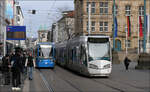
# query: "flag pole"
{"points": [[126, 42], [114, 14], [144, 26], [89, 18], [138, 37], [148, 29]]}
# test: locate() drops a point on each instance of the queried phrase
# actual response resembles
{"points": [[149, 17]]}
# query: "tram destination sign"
{"points": [[16, 33]]}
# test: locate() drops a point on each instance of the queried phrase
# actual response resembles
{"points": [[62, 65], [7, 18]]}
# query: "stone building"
{"points": [[64, 28], [102, 19], [42, 35]]}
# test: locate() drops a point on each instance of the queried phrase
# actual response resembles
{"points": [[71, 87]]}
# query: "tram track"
{"points": [[48, 86], [114, 84], [60, 77], [71, 84], [110, 86], [67, 81], [115, 88]]}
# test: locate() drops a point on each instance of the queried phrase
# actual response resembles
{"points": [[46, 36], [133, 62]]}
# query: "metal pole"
{"points": [[144, 26], [114, 15], [138, 37], [4, 42], [56, 30], [126, 42], [89, 18], [148, 29]]}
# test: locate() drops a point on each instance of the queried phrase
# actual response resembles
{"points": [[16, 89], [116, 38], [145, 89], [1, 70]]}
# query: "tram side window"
{"points": [[83, 55], [77, 53], [40, 53], [70, 55], [51, 53]]}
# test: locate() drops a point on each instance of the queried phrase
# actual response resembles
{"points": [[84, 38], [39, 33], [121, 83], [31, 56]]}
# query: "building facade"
{"points": [[42, 35], [2, 24], [63, 30], [102, 19]]}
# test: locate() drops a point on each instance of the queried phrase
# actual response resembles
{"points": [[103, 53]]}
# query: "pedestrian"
{"points": [[16, 69], [30, 63], [127, 62], [6, 69]]}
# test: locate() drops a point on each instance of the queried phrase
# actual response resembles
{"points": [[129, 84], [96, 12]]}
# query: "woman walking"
{"points": [[30, 63]]}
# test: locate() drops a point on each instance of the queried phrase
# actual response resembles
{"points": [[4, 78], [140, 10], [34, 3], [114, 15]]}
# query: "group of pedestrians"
{"points": [[15, 65]]}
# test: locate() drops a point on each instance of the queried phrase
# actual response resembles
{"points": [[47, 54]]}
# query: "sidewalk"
{"points": [[120, 56], [35, 85], [8, 88]]}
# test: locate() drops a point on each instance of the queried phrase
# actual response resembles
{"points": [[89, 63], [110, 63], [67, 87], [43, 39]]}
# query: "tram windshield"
{"points": [[45, 51], [99, 50]]}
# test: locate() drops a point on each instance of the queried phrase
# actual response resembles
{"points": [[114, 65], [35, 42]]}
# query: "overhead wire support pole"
{"points": [[144, 40], [138, 37], [89, 18], [114, 15]]}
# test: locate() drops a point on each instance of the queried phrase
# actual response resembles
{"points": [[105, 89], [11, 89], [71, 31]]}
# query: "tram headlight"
{"points": [[93, 66], [107, 66]]}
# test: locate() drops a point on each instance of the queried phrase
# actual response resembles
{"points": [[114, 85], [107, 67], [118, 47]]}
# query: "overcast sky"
{"points": [[47, 12]]}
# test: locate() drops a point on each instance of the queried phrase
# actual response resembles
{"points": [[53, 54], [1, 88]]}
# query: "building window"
{"points": [[116, 10], [128, 43], [141, 10], [87, 7], [92, 7], [93, 26], [103, 26], [127, 10], [103, 7], [87, 26], [43, 35]]}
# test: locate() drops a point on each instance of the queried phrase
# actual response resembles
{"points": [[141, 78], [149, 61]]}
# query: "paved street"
{"points": [[62, 80]]}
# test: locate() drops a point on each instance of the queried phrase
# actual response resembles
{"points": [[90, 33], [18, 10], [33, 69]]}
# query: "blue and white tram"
{"points": [[45, 55], [88, 55]]}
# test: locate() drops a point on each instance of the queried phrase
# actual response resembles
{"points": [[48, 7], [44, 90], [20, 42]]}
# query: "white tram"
{"points": [[88, 55]]}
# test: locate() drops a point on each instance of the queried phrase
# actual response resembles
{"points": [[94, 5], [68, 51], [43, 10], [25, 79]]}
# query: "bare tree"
{"points": [[67, 22]]}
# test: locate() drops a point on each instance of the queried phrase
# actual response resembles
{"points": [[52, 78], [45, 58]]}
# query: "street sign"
{"points": [[16, 33]]}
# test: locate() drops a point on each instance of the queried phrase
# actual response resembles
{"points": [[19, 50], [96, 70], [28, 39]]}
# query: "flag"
{"points": [[129, 26], [116, 27], [141, 27]]}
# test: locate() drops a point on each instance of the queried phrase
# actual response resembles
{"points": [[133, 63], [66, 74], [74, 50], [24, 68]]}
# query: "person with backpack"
{"points": [[30, 63], [16, 69]]}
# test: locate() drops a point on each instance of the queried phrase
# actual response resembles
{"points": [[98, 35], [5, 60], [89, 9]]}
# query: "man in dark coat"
{"points": [[6, 68], [16, 69], [126, 62]]}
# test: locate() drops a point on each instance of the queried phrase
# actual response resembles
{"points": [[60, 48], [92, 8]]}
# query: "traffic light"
{"points": [[33, 11]]}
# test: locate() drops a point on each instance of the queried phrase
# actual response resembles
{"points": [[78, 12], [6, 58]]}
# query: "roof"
{"points": [[68, 13], [71, 14]]}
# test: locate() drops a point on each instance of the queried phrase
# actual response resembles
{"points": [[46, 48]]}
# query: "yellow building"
{"points": [[102, 19]]}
